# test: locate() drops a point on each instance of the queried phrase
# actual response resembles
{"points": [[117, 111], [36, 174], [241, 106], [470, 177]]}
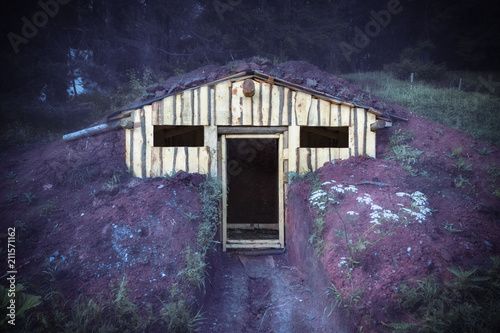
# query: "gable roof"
{"points": [[255, 75]]}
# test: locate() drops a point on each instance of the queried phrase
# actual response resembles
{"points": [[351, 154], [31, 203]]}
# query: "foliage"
{"points": [[28, 197], [194, 272], [383, 221], [210, 195], [23, 303], [402, 152], [470, 111], [346, 299], [413, 60], [468, 303], [177, 313]]}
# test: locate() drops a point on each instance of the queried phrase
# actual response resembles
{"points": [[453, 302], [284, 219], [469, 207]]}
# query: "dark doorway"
{"points": [[253, 198]]}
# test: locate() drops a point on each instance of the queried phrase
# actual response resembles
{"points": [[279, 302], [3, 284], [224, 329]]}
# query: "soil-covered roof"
{"points": [[298, 73]]}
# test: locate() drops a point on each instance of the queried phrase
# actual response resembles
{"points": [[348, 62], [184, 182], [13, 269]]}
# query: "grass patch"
{"points": [[468, 303], [474, 111]]}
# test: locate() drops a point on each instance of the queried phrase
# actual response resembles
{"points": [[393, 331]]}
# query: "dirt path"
{"points": [[262, 294]]}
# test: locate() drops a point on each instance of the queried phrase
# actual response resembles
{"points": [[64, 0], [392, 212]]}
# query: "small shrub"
{"points": [[28, 198], [177, 313], [455, 153], [10, 197], [194, 272]]}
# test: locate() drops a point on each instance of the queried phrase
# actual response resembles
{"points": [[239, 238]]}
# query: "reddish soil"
{"points": [[93, 224]]}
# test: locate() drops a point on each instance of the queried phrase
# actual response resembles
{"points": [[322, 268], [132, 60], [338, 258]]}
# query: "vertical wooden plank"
{"points": [[286, 104], [180, 159], [155, 162], [345, 116], [188, 111], [371, 137], [324, 113], [280, 193], [129, 146], [354, 114], [179, 105], [224, 191], [203, 160], [237, 103], [334, 154], [168, 115], [302, 105], [276, 105], [194, 159], [266, 103], [344, 153], [247, 107], [293, 136], [148, 122], [204, 105], [137, 144], [168, 160], [222, 103], [322, 156], [257, 105], [312, 117]]}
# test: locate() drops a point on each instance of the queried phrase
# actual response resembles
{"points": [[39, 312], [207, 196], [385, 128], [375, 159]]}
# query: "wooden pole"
{"points": [[411, 81], [102, 128]]}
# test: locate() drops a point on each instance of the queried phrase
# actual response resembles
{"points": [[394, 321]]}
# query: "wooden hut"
{"points": [[249, 130]]}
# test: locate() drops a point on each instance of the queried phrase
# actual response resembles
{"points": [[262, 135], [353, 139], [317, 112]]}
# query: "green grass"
{"points": [[468, 303], [471, 111]]}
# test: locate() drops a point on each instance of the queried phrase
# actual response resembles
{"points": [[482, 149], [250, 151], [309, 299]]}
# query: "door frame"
{"points": [[251, 243]]}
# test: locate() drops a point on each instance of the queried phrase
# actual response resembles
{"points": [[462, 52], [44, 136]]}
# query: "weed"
{"points": [[449, 226], [461, 181], [46, 209], [337, 299], [305, 177], [316, 238], [455, 153], [24, 302], [190, 216], [496, 193], [483, 151], [469, 303], [111, 182], [51, 271], [28, 198], [462, 165], [168, 175], [10, 197], [194, 272], [210, 195], [126, 315], [11, 175], [177, 314], [402, 152], [93, 193]]}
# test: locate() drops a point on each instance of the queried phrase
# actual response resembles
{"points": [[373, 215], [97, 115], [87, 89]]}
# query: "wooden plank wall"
{"points": [[224, 104], [270, 105]]}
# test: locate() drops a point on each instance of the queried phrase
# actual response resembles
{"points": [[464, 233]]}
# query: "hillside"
{"points": [[86, 229]]}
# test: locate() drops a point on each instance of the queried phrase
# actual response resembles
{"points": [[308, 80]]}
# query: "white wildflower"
{"points": [[376, 207], [352, 213], [402, 194]]}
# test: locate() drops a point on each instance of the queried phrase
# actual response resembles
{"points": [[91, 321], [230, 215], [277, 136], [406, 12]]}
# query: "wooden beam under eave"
{"points": [[379, 124]]}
